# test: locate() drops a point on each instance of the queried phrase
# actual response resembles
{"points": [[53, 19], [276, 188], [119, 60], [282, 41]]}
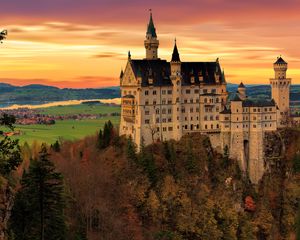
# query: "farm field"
{"points": [[80, 109], [67, 129]]}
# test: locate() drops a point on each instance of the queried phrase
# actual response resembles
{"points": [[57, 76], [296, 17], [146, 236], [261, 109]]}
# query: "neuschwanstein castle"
{"points": [[164, 100]]}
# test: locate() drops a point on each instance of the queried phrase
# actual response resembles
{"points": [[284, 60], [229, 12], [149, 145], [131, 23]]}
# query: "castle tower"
{"points": [[176, 78], [151, 43], [242, 91], [281, 91]]}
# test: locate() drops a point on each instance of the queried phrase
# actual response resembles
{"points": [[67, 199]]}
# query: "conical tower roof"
{"points": [[151, 29], [175, 54]]}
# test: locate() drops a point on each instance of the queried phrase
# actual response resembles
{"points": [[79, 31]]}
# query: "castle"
{"points": [[164, 100]]}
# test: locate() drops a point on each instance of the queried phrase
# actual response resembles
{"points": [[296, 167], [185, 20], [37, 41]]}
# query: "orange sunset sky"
{"points": [[84, 43]]}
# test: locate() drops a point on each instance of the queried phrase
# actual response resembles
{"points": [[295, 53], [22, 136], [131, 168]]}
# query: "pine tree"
{"points": [[56, 146], [105, 138], [38, 211], [10, 157], [131, 151]]}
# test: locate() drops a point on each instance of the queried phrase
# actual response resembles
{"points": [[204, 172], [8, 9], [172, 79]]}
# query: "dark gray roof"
{"points": [[151, 29], [175, 54], [160, 71], [236, 98], [241, 85], [250, 103], [280, 61]]}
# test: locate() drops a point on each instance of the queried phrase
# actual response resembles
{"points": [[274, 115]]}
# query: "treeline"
{"points": [[102, 187]]}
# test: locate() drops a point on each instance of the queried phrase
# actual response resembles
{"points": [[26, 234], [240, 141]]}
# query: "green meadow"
{"points": [[80, 109], [63, 129], [67, 129]]}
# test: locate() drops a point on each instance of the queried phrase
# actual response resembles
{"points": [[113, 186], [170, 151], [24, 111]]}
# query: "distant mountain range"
{"points": [[38, 94]]}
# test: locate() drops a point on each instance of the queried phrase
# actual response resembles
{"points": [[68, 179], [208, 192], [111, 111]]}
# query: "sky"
{"points": [[84, 43]]}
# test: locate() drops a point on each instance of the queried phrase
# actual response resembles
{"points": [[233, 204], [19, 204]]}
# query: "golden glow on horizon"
{"points": [[76, 55]]}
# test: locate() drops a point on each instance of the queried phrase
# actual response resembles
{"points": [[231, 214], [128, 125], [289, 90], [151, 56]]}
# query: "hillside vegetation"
{"points": [[175, 190]]}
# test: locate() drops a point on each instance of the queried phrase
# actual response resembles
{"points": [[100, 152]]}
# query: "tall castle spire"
{"points": [[175, 54], [151, 43]]}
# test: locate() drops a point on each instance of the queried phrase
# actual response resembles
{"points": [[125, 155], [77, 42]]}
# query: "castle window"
{"points": [[169, 119], [270, 117], [147, 112], [157, 120], [205, 126], [205, 118], [213, 91], [191, 110], [254, 109], [185, 118], [197, 109], [211, 100], [254, 126], [266, 109], [169, 101], [205, 100], [170, 129], [270, 125], [197, 118], [218, 126], [163, 101], [183, 110], [270, 109], [237, 110], [258, 109], [157, 129], [169, 110], [154, 92], [191, 100], [154, 102], [217, 100], [197, 126], [188, 91], [164, 120], [217, 109], [157, 111], [147, 121], [254, 118], [185, 100], [204, 90], [186, 126], [211, 118], [191, 118], [169, 91], [196, 91], [197, 100], [146, 102], [146, 92], [217, 118], [164, 129], [163, 111], [163, 92], [212, 126], [177, 100]]}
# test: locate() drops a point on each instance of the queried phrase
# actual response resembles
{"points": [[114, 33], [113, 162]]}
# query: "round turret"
{"points": [[280, 68]]}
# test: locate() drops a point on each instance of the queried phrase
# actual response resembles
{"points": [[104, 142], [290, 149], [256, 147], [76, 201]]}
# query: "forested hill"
{"points": [[177, 191], [38, 94]]}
